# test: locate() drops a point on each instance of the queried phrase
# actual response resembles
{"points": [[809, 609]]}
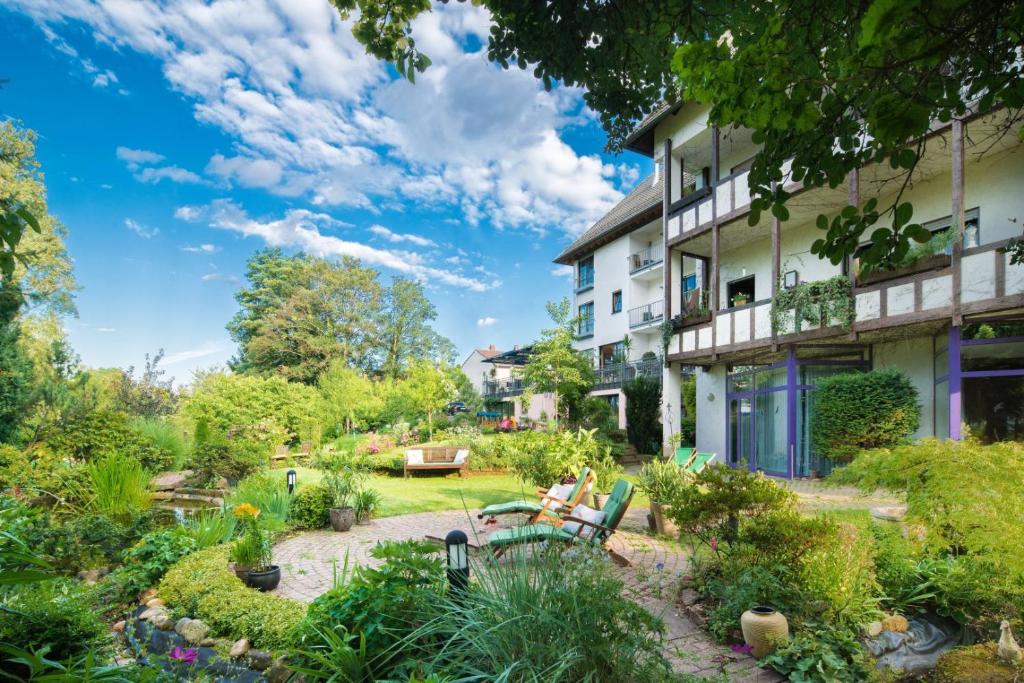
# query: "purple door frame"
{"points": [[955, 381]]}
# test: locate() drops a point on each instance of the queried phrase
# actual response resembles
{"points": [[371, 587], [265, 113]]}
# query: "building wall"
{"points": [[476, 370], [711, 411], [913, 357]]}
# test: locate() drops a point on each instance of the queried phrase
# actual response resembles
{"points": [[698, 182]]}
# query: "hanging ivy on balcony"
{"points": [[813, 303]]}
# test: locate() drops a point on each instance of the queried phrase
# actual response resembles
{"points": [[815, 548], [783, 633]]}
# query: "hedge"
{"points": [[857, 411], [643, 413], [202, 586]]}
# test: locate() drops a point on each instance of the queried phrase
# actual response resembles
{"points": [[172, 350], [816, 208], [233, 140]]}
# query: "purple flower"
{"points": [[742, 649], [187, 656], [660, 566]]}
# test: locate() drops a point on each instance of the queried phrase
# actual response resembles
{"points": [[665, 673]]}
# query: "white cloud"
{"points": [[141, 230], [219, 277], [203, 351], [106, 330], [106, 186], [562, 271], [303, 229], [312, 116], [201, 249], [396, 237], [189, 213], [101, 77], [486, 322], [138, 156]]}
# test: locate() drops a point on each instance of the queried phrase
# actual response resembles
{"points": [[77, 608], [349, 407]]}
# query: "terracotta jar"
{"points": [[763, 630]]}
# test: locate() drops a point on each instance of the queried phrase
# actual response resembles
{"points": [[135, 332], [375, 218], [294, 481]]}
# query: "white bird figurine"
{"points": [[1008, 650]]}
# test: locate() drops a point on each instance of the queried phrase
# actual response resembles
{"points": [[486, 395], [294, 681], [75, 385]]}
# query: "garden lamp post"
{"points": [[291, 476], [456, 544]]}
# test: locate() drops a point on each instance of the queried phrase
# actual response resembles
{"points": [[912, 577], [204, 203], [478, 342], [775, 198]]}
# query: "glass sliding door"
{"points": [[757, 418], [770, 430], [741, 432]]}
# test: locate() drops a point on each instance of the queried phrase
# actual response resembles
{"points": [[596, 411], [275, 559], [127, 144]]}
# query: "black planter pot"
{"points": [[264, 581]]}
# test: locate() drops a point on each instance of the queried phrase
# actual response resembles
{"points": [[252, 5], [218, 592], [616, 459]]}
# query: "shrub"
{"points": [[119, 485], [733, 588], [310, 508], [146, 562], [541, 459], [824, 655], [267, 491], [855, 411], [839, 574], [215, 456], [165, 438], [201, 586], [60, 613], [210, 527], [643, 413], [100, 432], [661, 480]]}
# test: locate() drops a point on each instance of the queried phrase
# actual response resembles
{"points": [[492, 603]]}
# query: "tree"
{"points": [[149, 395], [554, 365], [16, 391], [832, 85], [430, 389], [643, 407], [299, 313], [406, 335], [349, 398]]}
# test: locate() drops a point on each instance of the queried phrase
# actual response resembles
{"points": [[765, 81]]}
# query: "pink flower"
{"points": [[743, 649], [187, 656], [714, 543]]}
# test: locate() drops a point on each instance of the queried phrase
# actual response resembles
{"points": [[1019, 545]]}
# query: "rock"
{"points": [[895, 623], [150, 613], [120, 626], [168, 481], [259, 660], [164, 622], [893, 513], [209, 642], [688, 597], [193, 631], [873, 629], [278, 671], [92, 576], [240, 648], [147, 595], [221, 484], [155, 602], [182, 623]]}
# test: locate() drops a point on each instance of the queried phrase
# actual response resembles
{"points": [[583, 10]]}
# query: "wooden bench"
{"points": [[437, 458]]}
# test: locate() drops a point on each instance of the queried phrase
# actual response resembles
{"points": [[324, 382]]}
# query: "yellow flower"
{"points": [[246, 510]]}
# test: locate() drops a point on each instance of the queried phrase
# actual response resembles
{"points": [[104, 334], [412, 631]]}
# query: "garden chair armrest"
{"points": [[596, 526], [555, 499]]}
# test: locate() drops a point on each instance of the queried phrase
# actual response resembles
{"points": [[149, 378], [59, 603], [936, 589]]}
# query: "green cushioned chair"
{"points": [[547, 505], [699, 462], [588, 532], [684, 456]]}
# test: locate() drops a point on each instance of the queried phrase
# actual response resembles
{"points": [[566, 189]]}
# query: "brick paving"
{"points": [[312, 562]]}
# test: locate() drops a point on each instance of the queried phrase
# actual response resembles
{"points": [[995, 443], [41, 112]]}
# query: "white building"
{"points": [[718, 281], [479, 371], [618, 276]]}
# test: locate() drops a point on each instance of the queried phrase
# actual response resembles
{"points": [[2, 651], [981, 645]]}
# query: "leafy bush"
{"points": [[734, 588], [210, 527], [541, 459], [100, 432], [165, 438], [311, 506], [119, 485], [268, 492], [855, 411], [201, 586], [39, 471], [215, 456], [146, 562], [59, 613], [661, 480], [823, 655], [839, 575], [385, 604], [643, 413]]}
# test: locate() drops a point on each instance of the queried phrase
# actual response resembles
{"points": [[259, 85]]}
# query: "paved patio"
{"points": [[311, 561]]}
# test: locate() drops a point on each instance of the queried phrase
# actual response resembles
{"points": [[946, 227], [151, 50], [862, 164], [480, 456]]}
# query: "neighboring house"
{"points": [[478, 370], [503, 386], [954, 323], [618, 285]]}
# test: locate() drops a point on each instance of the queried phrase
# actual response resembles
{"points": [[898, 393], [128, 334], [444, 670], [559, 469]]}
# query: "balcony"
{"points": [[584, 281], [644, 317], [646, 261], [585, 328], [503, 388], [614, 375]]}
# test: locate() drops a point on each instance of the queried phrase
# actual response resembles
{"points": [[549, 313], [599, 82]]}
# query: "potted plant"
{"points": [[661, 480], [364, 502], [342, 486], [253, 550], [606, 472], [740, 299]]}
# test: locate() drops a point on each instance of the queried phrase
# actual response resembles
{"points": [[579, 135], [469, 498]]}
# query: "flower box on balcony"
{"points": [[680, 322], [936, 262]]}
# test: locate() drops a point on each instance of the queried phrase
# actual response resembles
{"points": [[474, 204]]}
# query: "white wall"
{"points": [[915, 358], [476, 370], [711, 411]]}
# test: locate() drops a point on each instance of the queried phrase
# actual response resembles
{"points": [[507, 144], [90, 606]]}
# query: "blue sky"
{"points": [[179, 137]]}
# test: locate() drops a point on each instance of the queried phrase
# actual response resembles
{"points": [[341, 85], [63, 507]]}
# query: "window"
{"points": [[689, 282], [585, 273], [612, 354], [617, 302], [586, 313], [740, 292]]}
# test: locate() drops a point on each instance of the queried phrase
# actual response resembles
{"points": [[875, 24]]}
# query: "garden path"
{"points": [[310, 561]]}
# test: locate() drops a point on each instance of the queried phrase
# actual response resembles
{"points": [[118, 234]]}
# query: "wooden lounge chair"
{"points": [[548, 505], [684, 456], [699, 462], [305, 449], [587, 533], [280, 453]]}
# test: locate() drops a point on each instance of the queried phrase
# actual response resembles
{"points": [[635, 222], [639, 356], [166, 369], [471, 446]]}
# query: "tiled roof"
{"points": [[642, 138], [488, 353], [644, 198]]}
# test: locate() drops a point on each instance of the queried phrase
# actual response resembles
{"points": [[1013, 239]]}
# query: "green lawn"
{"points": [[429, 492]]}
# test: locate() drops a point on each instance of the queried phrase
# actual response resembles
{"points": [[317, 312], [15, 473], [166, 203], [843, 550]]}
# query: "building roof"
{"points": [[641, 140], [489, 352], [640, 206], [517, 356]]}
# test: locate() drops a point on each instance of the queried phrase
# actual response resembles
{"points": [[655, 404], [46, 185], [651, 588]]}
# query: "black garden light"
{"points": [[456, 544], [291, 476]]}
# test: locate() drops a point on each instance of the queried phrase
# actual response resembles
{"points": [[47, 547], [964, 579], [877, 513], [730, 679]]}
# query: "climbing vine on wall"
{"points": [[814, 303]]}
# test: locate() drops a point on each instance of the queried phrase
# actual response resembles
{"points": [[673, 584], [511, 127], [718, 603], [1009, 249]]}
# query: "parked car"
{"points": [[457, 407]]}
